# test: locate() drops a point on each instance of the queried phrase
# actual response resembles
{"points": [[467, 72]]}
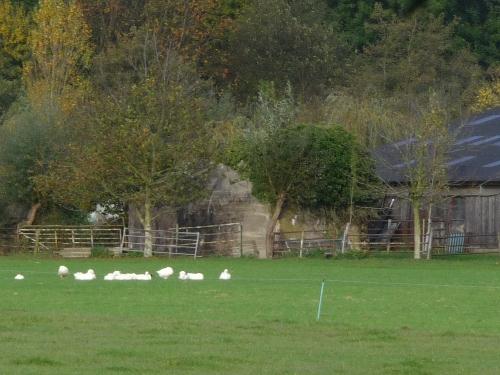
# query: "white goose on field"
{"points": [[225, 275], [143, 276], [165, 273], [19, 277], [63, 271], [183, 275], [112, 276], [195, 276], [87, 276]]}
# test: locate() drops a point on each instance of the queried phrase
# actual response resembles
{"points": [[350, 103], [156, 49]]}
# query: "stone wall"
{"points": [[230, 201]]}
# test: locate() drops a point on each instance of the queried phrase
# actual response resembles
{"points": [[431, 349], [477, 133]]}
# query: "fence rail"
{"points": [[164, 242], [53, 238], [220, 239]]}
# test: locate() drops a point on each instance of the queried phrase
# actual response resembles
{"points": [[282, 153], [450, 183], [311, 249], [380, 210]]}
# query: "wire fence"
{"points": [[393, 237], [220, 239], [302, 243]]}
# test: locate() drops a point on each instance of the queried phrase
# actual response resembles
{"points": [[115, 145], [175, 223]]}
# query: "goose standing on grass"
{"points": [[225, 275], [63, 271], [19, 277], [165, 273], [195, 276], [183, 275]]}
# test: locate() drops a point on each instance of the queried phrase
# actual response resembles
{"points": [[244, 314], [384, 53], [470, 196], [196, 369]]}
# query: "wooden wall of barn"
{"points": [[473, 211]]}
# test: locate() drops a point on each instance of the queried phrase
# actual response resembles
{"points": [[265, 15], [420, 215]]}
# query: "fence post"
{"points": [[388, 248], [197, 242], [73, 237], [301, 244], [37, 239], [241, 240], [344, 238], [122, 242], [92, 237], [176, 241]]}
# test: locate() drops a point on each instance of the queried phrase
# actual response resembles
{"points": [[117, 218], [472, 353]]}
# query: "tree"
{"points": [[24, 145], [418, 145], [144, 141], [411, 57], [309, 166], [284, 41], [61, 49], [488, 95], [415, 71], [37, 125], [14, 51]]}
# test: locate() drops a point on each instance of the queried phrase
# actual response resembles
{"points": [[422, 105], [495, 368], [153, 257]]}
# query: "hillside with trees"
{"points": [[131, 103]]}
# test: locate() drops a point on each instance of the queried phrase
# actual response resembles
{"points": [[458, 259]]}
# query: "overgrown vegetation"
{"points": [[130, 104]]}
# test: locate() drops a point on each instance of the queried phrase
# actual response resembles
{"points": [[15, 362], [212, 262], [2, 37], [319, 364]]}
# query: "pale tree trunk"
{"points": [[148, 226], [417, 229], [30, 219], [429, 232], [272, 224]]}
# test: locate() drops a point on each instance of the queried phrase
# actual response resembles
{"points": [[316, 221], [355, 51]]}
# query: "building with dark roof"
{"points": [[471, 205]]}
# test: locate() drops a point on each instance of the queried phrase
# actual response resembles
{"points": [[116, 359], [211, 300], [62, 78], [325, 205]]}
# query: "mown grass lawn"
{"points": [[380, 316]]}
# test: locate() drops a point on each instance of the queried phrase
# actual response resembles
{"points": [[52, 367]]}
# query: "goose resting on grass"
{"points": [[19, 277], [143, 276], [195, 276], [225, 275], [87, 276], [63, 271], [165, 273]]}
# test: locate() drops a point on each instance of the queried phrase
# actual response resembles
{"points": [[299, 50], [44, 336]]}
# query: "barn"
{"points": [[467, 216]]}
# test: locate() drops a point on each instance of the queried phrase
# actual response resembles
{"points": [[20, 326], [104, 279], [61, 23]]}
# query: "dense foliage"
{"points": [[130, 102]]}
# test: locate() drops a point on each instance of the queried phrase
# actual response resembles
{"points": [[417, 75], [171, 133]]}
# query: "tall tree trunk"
{"points": [[148, 226], [417, 229], [429, 232], [30, 218], [272, 224]]}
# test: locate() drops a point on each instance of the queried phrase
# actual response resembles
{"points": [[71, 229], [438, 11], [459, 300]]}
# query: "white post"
{"points": [[301, 244], [344, 237], [320, 300]]}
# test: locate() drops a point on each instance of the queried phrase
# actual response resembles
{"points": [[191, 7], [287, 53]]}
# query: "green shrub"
{"points": [[353, 254], [100, 252]]}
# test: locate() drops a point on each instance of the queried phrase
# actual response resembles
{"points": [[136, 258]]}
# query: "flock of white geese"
{"points": [[164, 273]]}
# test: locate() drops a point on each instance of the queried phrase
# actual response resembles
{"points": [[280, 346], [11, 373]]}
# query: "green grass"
{"points": [[380, 316]]}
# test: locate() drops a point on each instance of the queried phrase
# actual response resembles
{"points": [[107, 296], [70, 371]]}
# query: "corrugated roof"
{"points": [[473, 158]]}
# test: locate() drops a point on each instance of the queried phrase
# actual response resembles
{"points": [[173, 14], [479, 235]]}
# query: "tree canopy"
{"points": [[133, 101]]}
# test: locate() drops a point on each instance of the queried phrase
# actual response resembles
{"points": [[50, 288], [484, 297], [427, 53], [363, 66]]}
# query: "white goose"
{"points": [[87, 276], [195, 276], [143, 276], [19, 277], [183, 275], [125, 276], [225, 275], [165, 273], [63, 271], [112, 276]]}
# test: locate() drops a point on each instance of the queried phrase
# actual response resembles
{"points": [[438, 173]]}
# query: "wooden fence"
{"points": [[54, 238]]}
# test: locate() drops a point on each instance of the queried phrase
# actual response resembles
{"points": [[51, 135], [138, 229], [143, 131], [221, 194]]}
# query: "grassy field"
{"points": [[380, 316]]}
